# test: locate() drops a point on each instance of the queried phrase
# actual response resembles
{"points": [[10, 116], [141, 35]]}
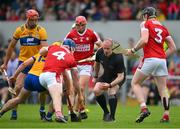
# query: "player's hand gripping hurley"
{"points": [[116, 45], [10, 89], [123, 50]]}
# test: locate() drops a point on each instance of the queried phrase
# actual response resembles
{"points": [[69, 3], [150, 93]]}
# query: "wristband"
{"points": [[110, 86], [133, 50]]}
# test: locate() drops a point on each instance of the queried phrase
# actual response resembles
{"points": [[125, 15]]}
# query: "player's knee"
{"points": [[96, 89], [82, 89], [17, 100], [84, 82], [82, 85], [17, 88], [111, 93], [19, 85], [4, 91], [134, 84]]}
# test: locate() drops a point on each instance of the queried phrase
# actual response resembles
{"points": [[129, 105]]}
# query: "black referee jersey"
{"points": [[112, 65]]}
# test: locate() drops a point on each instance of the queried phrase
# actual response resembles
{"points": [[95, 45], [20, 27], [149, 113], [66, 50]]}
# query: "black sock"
{"points": [[166, 103], [102, 102], [49, 115], [14, 113], [113, 105], [42, 107]]}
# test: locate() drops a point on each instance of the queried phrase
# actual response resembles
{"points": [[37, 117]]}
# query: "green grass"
{"points": [[28, 117]]}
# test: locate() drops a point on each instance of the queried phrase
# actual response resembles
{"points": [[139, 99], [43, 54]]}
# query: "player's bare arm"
{"points": [[119, 78], [75, 77], [44, 43], [67, 81], [141, 42], [43, 51], [96, 69], [28, 62], [9, 53], [171, 46], [98, 43]]}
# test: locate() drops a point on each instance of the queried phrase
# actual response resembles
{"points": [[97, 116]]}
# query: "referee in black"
{"points": [[112, 78]]}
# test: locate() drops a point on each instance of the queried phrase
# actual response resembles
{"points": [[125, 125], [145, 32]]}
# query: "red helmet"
{"points": [[31, 13], [81, 20]]}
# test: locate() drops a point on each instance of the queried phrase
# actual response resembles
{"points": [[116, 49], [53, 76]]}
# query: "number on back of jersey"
{"points": [[159, 36], [60, 55]]}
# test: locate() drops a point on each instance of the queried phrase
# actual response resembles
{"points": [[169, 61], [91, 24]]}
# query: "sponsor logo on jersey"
{"points": [[30, 39], [87, 38], [82, 47]]}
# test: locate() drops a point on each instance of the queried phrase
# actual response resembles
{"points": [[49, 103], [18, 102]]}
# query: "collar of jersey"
{"points": [[83, 32]]}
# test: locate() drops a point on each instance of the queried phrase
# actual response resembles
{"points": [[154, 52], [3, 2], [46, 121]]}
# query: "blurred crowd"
{"points": [[94, 10]]}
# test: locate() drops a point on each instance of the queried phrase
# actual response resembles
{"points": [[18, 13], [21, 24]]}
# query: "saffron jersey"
{"points": [[157, 36], [38, 65], [84, 43], [30, 40], [58, 59]]}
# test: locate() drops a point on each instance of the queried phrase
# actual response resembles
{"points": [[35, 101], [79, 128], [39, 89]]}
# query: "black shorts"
{"points": [[3, 83], [109, 81]]}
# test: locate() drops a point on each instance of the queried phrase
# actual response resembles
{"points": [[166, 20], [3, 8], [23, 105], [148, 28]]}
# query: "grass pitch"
{"points": [[28, 117]]}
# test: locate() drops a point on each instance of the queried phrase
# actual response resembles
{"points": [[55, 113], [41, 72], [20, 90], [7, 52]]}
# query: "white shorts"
{"points": [[85, 70], [154, 67], [47, 79]]}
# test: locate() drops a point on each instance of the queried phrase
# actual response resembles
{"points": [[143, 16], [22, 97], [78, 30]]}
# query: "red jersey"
{"points": [[84, 43], [157, 36], [58, 59]]}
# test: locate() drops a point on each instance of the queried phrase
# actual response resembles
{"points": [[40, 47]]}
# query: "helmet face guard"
{"points": [[31, 13], [32, 18], [150, 12], [81, 20]]}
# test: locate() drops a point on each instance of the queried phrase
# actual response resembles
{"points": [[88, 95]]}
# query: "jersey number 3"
{"points": [[158, 39], [59, 54]]}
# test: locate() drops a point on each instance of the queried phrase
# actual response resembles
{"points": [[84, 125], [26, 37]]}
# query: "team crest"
{"points": [[87, 38], [81, 39]]}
